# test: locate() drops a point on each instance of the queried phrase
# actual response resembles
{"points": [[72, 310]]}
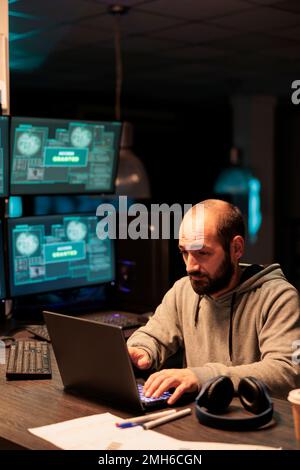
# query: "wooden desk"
{"points": [[28, 404]]}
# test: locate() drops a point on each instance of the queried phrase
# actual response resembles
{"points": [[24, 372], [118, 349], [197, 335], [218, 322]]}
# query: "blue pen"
{"points": [[129, 423]]}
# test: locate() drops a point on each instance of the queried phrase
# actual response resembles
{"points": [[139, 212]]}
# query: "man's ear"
{"points": [[237, 247]]}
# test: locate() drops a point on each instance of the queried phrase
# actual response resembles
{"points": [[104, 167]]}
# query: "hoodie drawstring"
{"points": [[196, 317], [231, 325], [197, 308]]}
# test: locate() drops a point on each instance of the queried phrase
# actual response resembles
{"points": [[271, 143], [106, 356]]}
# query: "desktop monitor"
{"points": [[50, 253], [2, 276], [3, 156], [55, 156]]}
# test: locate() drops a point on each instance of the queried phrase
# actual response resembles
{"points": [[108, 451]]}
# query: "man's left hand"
{"points": [[183, 380]]}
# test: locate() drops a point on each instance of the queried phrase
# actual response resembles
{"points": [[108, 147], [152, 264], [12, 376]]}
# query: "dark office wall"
{"points": [[185, 154], [287, 155], [287, 192]]}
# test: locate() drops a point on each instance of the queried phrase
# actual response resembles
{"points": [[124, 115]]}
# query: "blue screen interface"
{"points": [[60, 157], [57, 252]]}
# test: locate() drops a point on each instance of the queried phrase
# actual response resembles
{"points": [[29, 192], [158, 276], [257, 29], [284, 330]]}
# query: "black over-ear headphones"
{"points": [[216, 395]]}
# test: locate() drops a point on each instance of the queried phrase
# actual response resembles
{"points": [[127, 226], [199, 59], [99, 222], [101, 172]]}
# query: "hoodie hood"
{"points": [[253, 276], [250, 281], [265, 274]]}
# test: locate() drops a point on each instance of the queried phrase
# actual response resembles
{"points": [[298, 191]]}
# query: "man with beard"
{"points": [[229, 318]]}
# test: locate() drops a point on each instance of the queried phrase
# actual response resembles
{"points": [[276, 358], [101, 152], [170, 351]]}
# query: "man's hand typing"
{"points": [[183, 380]]}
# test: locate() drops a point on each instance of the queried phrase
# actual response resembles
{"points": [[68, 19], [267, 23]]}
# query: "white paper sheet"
{"points": [[99, 432]]}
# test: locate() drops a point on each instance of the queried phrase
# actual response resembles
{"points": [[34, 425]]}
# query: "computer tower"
{"points": [[142, 272]]}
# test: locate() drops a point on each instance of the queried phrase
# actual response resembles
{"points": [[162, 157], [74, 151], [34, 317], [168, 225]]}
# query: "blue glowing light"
{"points": [[237, 181], [22, 27], [254, 211], [233, 181], [15, 206]]}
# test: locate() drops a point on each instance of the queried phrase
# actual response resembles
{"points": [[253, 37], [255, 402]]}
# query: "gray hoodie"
{"points": [[250, 330]]}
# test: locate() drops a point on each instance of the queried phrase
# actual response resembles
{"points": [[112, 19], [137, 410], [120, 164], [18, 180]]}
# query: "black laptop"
{"points": [[92, 357]]}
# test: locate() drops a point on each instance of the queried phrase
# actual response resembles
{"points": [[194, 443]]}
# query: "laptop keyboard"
{"points": [[149, 402], [28, 359]]}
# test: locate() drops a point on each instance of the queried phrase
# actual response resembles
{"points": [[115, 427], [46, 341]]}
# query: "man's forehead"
{"points": [[187, 245], [192, 227]]}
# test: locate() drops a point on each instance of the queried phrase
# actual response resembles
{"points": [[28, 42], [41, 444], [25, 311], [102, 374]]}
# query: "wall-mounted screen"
{"points": [[54, 156], [3, 156], [57, 252]]}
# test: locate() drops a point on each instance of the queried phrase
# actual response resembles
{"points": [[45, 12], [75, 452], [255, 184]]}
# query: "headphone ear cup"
{"points": [[253, 395], [217, 394]]}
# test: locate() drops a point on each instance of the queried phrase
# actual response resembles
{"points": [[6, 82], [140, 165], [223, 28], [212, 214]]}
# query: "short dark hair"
{"points": [[230, 224]]}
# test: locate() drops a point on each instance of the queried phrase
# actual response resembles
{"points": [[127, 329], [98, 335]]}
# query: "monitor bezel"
{"points": [[5, 192], [12, 288], [2, 267], [19, 189]]}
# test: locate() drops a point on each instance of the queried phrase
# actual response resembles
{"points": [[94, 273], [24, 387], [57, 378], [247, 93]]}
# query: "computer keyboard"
{"points": [[40, 331], [125, 321], [28, 359]]}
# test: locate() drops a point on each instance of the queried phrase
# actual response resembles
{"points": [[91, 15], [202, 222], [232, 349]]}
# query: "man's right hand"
{"points": [[139, 357]]}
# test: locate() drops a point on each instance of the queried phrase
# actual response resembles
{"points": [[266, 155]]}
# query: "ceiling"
{"points": [[172, 49]]}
